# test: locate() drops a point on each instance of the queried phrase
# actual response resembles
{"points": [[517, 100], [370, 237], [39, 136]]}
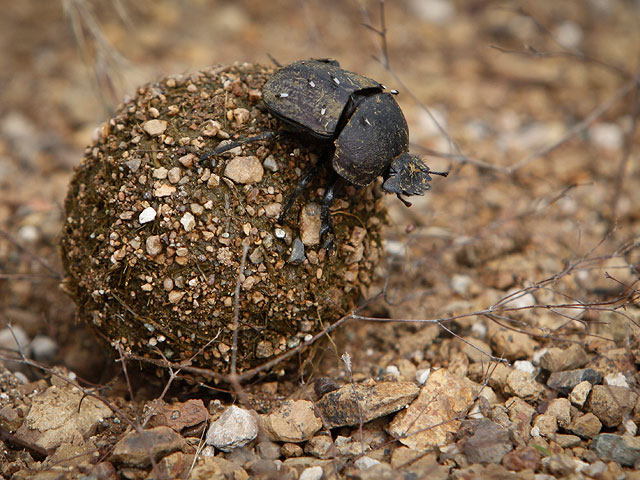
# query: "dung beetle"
{"points": [[361, 124]]}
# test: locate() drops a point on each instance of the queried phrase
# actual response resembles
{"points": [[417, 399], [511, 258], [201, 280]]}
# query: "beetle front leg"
{"points": [[219, 150], [326, 225], [304, 181]]}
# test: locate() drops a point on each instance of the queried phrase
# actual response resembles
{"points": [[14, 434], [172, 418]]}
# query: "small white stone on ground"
{"points": [[460, 283], [607, 135], [147, 215], [43, 348], [188, 221], [155, 127], [616, 379], [364, 463], [422, 375], [234, 428], [9, 336], [311, 473], [244, 170], [524, 365]]}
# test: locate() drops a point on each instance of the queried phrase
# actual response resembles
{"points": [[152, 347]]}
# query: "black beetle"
{"points": [[361, 127], [353, 115]]}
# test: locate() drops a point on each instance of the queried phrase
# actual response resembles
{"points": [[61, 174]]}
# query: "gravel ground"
{"points": [[500, 336]]}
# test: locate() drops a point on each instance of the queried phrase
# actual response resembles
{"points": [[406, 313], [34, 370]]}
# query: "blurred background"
{"points": [[535, 114]]}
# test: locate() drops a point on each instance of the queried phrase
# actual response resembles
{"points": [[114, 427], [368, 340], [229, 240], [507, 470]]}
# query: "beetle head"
{"points": [[408, 175]]}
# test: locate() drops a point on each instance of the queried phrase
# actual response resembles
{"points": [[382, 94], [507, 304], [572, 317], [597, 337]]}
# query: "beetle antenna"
{"points": [[276, 62], [442, 174]]}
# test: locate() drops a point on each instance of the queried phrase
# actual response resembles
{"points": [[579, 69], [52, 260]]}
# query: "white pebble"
{"points": [[524, 366], [422, 376], [363, 463], [147, 215], [607, 135], [311, 473], [235, 428], [616, 380], [43, 348], [460, 283], [188, 221]]}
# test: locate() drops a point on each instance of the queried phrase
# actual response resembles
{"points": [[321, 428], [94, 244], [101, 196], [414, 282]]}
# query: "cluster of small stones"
{"points": [[408, 423], [154, 233]]}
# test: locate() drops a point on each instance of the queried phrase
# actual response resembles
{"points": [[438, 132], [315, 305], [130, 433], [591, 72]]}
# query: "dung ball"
{"points": [[155, 231]]}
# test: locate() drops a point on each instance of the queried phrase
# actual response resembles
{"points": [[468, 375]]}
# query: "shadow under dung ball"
{"points": [[154, 235]]}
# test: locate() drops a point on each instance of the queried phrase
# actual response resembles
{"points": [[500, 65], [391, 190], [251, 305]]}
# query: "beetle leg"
{"points": [[302, 183], [325, 215], [228, 146]]}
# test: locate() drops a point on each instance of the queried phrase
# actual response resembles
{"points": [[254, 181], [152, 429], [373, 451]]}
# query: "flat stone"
{"points": [[136, 449], [427, 423], [154, 127], [564, 382], [610, 403], [58, 414], [164, 190], [178, 415], [567, 441], [245, 170], [561, 359], [311, 473], [295, 421], [622, 449], [310, 224], [489, 443], [234, 428], [350, 404], [523, 385], [586, 426]]}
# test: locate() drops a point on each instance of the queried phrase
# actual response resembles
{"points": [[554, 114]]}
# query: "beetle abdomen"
{"points": [[375, 134]]}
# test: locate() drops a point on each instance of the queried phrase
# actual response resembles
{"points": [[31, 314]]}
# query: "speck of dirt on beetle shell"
{"points": [[154, 236]]}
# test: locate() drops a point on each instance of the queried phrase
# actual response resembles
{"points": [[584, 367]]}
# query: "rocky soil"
{"points": [[501, 337]]}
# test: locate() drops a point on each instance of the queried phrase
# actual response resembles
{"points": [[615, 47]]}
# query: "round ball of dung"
{"points": [[155, 231]]}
